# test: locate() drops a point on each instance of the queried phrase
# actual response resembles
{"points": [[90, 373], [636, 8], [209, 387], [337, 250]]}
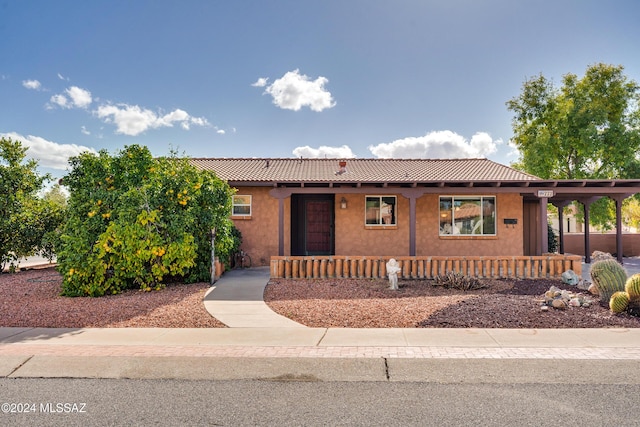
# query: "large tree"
{"points": [[27, 221], [589, 128], [135, 220]]}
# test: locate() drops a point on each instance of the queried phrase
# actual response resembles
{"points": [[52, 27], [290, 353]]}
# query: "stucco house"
{"points": [[396, 207]]}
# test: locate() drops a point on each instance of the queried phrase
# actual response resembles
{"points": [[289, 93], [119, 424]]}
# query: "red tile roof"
{"points": [[360, 170]]}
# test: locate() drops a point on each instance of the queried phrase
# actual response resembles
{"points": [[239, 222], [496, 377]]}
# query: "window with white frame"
{"points": [[380, 210], [241, 205], [467, 215]]}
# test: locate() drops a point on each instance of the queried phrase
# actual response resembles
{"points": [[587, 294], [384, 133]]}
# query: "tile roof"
{"points": [[270, 170]]}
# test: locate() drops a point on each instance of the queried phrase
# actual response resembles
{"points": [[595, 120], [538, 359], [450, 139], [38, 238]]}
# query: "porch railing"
{"points": [[425, 267]]}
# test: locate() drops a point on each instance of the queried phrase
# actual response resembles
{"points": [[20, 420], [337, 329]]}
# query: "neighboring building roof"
{"points": [[361, 171]]}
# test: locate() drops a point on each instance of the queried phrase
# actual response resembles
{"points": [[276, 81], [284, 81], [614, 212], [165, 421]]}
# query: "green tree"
{"points": [[135, 220], [587, 129], [25, 218]]}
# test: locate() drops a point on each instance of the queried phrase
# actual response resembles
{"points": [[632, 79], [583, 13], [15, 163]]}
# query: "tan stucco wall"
{"points": [[260, 231], [352, 237], [508, 239]]}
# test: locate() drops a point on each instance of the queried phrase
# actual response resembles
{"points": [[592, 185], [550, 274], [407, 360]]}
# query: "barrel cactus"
{"points": [[632, 286], [609, 277], [619, 302]]}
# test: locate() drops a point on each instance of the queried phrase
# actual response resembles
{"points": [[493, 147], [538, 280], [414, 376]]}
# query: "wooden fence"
{"points": [[424, 267]]}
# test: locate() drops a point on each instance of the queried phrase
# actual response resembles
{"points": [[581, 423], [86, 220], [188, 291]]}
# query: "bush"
{"points": [[135, 220]]}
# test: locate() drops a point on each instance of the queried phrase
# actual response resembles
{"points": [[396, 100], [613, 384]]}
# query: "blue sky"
{"points": [[331, 78]]}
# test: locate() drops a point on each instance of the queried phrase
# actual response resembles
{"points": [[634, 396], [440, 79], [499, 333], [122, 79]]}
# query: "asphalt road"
{"points": [[104, 402]]}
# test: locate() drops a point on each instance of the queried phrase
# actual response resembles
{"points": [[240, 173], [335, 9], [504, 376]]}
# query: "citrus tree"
{"points": [[136, 221]]}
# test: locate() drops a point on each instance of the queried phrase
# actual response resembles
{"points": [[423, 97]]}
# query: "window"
{"points": [[468, 215], [380, 210], [241, 205]]}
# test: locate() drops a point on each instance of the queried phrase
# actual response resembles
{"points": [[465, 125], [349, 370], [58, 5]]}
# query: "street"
{"points": [[101, 402]]}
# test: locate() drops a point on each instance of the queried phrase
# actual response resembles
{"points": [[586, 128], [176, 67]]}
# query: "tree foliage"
{"points": [[27, 221], [587, 129], [135, 220]]}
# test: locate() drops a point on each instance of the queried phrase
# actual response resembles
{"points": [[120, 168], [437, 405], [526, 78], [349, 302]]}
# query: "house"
{"points": [[396, 207]]}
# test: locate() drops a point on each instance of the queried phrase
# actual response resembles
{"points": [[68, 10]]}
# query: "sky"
{"points": [[279, 78]]}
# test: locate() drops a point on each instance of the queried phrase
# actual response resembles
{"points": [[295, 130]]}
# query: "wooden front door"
{"points": [[318, 228], [312, 224]]}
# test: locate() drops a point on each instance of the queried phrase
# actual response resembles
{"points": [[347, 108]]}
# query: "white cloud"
{"points": [[220, 131], [84, 130], [47, 153], [294, 91], [261, 82], [437, 145], [324, 151], [75, 97], [61, 77], [133, 120], [59, 100], [31, 84], [81, 98]]}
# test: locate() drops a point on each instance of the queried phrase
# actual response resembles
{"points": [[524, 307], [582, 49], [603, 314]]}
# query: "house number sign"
{"points": [[545, 193]]}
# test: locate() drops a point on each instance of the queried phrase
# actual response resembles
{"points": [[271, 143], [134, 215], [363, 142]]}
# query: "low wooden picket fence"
{"points": [[425, 267]]}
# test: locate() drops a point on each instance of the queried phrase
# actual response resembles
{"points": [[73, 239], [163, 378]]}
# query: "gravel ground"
{"points": [[353, 303], [31, 299]]}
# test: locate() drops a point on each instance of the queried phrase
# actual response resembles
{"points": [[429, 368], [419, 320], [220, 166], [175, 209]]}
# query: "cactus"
{"points": [[609, 277], [619, 302], [632, 287]]}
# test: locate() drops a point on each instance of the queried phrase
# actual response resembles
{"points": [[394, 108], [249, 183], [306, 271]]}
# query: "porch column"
{"points": [[560, 206], [412, 226], [619, 199], [587, 246], [281, 226], [544, 228], [412, 194]]}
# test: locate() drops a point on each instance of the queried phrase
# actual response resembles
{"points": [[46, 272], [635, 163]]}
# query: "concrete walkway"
{"points": [[237, 300]]}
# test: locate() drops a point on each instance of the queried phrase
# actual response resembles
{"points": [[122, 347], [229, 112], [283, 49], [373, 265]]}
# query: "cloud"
{"points": [[31, 84], [61, 77], [261, 82], [437, 145], [294, 91], [84, 130], [47, 153], [133, 120], [324, 151], [81, 98], [75, 97]]}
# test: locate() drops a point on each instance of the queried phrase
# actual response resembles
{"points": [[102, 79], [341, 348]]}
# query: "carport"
{"points": [[560, 193]]}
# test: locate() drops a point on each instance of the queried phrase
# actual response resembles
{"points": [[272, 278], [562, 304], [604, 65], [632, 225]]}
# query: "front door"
{"points": [[312, 224]]}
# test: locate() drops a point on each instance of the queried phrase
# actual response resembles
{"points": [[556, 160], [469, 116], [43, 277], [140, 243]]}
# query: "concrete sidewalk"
{"points": [[307, 354]]}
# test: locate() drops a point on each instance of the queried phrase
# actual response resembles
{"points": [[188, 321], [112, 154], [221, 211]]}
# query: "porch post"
{"points": [[619, 199], [560, 206], [587, 246], [412, 226], [544, 230], [281, 226]]}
